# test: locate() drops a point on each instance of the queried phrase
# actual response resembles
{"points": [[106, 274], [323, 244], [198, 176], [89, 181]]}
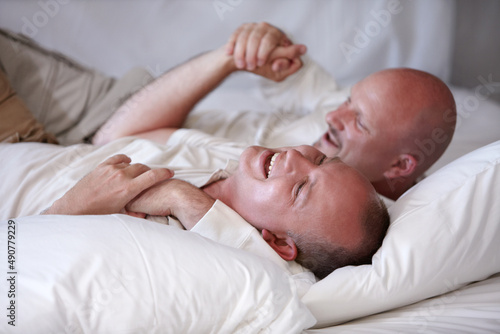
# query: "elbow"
{"points": [[103, 136]]}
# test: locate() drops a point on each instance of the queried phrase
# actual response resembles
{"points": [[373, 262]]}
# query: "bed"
{"points": [[437, 271]]}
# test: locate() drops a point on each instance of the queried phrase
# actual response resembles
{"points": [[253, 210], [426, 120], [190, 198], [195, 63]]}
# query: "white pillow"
{"points": [[478, 119], [119, 274], [445, 233]]}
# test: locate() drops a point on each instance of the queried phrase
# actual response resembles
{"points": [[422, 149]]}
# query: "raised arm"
{"points": [[163, 105], [165, 102]]}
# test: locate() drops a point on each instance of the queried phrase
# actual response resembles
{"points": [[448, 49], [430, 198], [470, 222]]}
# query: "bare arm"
{"points": [[108, 188], [162, 106], [174, 198], [165, 102]]}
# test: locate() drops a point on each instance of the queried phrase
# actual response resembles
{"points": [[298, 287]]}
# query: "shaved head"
{"points": [[394, 126], [427, 113]]}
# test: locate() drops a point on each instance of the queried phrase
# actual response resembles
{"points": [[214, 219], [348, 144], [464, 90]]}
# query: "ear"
{"points": [[403, 166], [283, 245]]}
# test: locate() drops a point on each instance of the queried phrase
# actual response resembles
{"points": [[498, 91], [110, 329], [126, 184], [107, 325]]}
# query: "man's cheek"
{"points": [[274, 197]]}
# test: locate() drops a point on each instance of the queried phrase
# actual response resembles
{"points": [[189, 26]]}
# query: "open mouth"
{"points": [[268, 166], [331, 138]]}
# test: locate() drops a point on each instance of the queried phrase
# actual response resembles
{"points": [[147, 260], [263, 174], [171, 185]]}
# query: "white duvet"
{"points": [[119, 274]]}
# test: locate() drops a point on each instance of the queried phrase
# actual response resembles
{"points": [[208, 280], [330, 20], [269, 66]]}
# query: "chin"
{"points": [[329, 152], [325, 147]]}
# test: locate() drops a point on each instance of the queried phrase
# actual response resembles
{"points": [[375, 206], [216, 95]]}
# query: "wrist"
{"points": [[226, 61], [55, 209], [190, 204]]}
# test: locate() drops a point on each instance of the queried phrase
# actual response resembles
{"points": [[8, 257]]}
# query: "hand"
{"points": [[173, 198], [108, 188], [254, 47]]}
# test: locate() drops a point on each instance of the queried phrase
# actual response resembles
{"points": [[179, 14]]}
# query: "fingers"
{"points": [[232, 40], [289, 52], [116, 159], [287, 59], [135, 170], [280, 64], [271, 39], [252, 43], [294, 66], [240, 48], [261, 41], [145, 177], [150, 178], [142, 176]]}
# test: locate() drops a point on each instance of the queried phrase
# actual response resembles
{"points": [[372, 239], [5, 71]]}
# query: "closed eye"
{"points": [[360, 124], [302, 184], [299, 188]]}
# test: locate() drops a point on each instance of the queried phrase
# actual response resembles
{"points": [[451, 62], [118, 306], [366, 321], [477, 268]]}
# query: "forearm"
{"points": [[60, 208], [166, 102], [192, 209], [174, 198]]}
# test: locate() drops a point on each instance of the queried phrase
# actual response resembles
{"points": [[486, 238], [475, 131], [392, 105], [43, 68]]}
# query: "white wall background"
{"points": [[477, 44], [455, 40]]}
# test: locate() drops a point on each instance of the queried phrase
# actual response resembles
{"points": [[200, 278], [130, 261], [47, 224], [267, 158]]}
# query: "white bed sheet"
{"points": [[471, 309]]}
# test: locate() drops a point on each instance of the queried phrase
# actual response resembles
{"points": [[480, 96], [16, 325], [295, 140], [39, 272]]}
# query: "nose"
{"points": [[301, 158], [339, 117]]}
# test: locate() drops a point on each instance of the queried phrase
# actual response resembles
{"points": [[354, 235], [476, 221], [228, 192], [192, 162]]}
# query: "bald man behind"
{"points": [[393, 127]]}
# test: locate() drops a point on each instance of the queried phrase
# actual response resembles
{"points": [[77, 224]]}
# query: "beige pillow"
{"points": [[18, 124]]}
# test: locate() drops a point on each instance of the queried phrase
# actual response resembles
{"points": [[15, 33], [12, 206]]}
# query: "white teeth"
{"points": [[273, 158]]}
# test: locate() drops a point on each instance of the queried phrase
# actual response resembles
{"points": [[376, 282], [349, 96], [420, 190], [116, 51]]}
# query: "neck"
{"points": [[393, 188], [217, 190]]}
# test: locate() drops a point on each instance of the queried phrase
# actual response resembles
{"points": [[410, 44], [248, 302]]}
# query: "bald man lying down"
{"points": [[309, 209]]}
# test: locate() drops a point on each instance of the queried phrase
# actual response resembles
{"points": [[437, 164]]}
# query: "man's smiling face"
{"points": [[300, 190], [367, 129]]}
